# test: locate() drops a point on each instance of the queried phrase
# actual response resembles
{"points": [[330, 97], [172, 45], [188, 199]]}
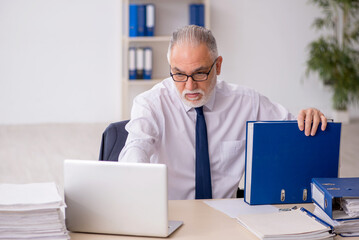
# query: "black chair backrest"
{"points": [[113, 140]]}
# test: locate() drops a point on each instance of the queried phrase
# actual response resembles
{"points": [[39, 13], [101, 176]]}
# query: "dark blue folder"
{"points": [[200, 18], [196, 14], [281, 161], [193, 14], [141, 20]]}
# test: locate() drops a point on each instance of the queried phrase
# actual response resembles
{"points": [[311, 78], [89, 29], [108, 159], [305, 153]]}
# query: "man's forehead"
{"points": [[189, 45], [190, 53]]}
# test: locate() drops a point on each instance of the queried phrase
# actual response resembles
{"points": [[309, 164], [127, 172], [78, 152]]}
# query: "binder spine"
{"points": [[200, 17], [141, 20], [150, 20], [193, 14], [139, 63], [322, 198], [196, 14], [248, 163], [132, 63], [133, 20], [317, 194], [147, 73]]}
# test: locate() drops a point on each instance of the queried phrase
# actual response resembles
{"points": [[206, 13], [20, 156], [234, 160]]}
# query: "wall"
{"points": [[264, 45], [59, 61]]}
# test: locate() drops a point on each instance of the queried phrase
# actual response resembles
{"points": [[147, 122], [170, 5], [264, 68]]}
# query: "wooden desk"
{"points": [[200, 222]]}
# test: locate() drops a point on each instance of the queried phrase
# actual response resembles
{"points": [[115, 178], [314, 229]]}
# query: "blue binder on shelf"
{"points": [[328, 193], [139, 62], [132, 63], [196, 14], [147, 69], [193, 14], [150, 20], [200, 18], [281, 161], [133, 20], [141, 20]]}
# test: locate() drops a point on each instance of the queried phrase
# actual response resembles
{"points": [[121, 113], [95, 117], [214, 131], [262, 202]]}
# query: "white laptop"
{"points": [[117, 198]]}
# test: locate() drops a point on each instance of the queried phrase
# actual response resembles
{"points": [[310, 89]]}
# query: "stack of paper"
{"points": [[351, 207], [31, 211], [294, 224], [344, 227]]}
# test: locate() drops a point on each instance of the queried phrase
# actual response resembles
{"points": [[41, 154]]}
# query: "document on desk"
{"points": [[294, 224], [235, 206]]}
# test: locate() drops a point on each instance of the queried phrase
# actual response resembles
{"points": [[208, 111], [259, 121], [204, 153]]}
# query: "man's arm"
{"points": [[308, 116], [143, 133]]}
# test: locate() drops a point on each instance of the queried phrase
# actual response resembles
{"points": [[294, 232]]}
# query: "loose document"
{"points": [[293, 224], [268, 222]]}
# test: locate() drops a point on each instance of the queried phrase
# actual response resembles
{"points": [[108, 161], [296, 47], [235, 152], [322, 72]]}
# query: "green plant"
{"points": [[335, 57]]}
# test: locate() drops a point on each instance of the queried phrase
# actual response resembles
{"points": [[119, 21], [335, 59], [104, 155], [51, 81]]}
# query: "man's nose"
{"points": [[190, 84]]}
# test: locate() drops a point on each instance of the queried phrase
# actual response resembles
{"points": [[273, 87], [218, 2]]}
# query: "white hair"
{"points": [[194, 35]]}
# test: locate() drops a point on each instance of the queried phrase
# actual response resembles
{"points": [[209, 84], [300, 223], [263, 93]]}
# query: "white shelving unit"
{"points": [[170, 15]]}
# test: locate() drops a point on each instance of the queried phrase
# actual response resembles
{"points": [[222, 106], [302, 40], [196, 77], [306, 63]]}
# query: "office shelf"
{"points": [[170, 15]]}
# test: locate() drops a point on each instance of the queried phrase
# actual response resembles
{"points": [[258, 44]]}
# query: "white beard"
{"points": [[202, 101]]}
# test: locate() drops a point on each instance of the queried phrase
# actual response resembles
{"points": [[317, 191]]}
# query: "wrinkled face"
{"points": [[188, 59]]}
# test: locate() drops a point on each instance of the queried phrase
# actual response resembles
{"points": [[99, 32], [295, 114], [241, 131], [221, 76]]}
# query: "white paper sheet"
{"points": [[235, 206], [17, 197], [294, 224]]}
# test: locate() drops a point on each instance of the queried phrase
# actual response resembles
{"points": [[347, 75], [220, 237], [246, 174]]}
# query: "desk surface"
{"points": [[200, 222]]}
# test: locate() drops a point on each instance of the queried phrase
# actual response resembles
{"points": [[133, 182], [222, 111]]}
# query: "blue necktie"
{"points": [[203, 172]]}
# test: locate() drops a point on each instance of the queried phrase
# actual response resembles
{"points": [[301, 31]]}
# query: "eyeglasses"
{"points": [[197, 77]]}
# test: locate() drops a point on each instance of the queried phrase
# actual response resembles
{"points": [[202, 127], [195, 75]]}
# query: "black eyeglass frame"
{"points": [[193, 79]]}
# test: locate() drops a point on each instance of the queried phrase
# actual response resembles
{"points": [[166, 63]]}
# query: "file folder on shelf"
{"points": [[281, 161], [330, 193], [139, 63], [150, 20], [196, 14], [133, 20], [132, 63], [193, 14], [141, 20], [147, 72], [200, 15]]}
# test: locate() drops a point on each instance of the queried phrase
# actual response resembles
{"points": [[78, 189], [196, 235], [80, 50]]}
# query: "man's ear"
{"points": [[219, 65]]}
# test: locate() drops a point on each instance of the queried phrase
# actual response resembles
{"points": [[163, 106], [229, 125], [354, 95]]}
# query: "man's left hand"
{"points": [[308, 116]]}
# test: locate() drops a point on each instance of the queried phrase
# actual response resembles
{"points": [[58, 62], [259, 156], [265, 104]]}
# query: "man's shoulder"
{"points": [[231, 89], [160, 89], [163, 91]]}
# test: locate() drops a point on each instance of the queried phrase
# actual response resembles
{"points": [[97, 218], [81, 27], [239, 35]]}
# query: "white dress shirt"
{"points": [[162, 130]]}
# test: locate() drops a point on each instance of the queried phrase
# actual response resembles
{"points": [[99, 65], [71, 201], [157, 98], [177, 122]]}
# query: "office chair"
{"points": [[113, 140]]}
